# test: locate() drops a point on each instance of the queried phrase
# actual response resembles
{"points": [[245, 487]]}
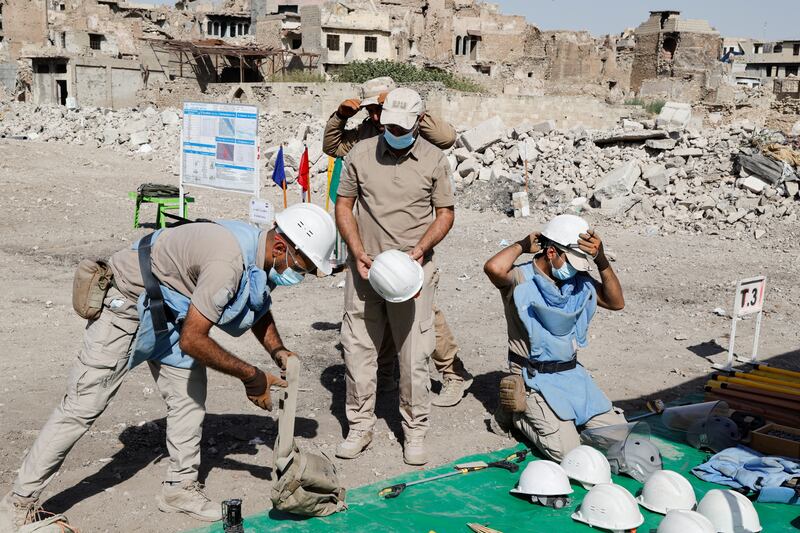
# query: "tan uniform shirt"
{"points": [[202, 261], [338, 141], [396, 197], [517, 334]]}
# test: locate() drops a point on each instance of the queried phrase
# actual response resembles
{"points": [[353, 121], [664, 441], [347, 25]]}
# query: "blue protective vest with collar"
{"points": [[557, 321], [251, 302]]}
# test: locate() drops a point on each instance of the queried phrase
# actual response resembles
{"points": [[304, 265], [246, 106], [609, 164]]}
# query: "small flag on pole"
{"points": [[279, 174], [302, 174], [334, 181]]}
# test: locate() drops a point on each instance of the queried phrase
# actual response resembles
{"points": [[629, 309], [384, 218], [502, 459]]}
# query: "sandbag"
{"points": [[54, 524], [89, 287], [307, 482]]}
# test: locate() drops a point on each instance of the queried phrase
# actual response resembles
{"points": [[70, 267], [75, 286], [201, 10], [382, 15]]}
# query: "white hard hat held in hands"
{"points": [[312, 231], [395, 276]]}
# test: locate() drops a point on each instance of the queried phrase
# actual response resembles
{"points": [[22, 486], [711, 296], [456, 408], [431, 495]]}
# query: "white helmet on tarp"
{"points": [[311, 230], [564, 230], [609, 506], [729, 511], [587, 466], [680, 521], [627, 447], [546, 483], [395, 276], [666, 490]]}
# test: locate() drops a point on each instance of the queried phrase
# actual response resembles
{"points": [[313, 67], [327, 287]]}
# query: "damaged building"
{"points": [[674, 54]]}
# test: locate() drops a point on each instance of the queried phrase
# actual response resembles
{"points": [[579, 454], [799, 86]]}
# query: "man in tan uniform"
{"points": [[337, 142], [200, 269], [396, 182]]}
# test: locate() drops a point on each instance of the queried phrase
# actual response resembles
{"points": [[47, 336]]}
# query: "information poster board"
{"points": [[219, 147]]}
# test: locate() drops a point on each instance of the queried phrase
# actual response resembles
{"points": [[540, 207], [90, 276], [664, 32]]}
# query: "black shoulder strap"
{"points": [[151, 286]]}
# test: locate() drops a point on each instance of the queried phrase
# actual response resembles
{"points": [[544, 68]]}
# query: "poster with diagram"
{"points": [[219, 147]]}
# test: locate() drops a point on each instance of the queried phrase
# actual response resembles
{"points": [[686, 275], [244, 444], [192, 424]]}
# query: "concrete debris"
{"points": [[769, 170], [656, 177], [753, 184], [796, 129], [519, 201], [618, 182], [627, 136], [674, 116], [483, 135], [661, 144], [544, 127]]}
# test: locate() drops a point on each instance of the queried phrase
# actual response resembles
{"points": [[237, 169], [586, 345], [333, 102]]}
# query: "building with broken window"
{"points": [[772, 60], [671, 48]]}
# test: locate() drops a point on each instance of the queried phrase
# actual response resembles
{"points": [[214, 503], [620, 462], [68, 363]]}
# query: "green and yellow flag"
{"points": [[334, 172]]}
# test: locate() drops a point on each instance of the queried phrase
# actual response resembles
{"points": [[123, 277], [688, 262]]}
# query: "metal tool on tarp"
{"points": [[656, 407], [510, 463]]}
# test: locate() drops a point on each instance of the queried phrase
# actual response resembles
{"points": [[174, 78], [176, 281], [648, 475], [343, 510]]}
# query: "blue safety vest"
{"points": [[557, 321], [250, 303]]}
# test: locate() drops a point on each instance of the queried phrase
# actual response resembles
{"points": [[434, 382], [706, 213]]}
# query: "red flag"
{"points": [[302, 172]]}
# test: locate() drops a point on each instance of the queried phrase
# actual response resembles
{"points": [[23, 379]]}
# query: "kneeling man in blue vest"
{"points": [[169, 289], [549, 302]]}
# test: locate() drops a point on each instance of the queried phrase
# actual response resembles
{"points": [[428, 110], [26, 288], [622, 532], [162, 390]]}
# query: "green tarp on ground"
{"points": [[447, 505]]}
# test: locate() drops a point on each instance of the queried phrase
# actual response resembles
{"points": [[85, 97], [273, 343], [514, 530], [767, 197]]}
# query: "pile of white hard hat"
{"points": [[612, 507]]}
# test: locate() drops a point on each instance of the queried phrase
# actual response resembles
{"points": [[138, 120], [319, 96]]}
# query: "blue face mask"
{"points": [[563, 273], [288, 277], [399, 143]]}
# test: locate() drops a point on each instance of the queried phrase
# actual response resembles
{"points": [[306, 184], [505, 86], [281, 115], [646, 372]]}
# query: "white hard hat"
{"points": [[666, 490], [729, 511], [311, 230], [395, 276], [372, 89], [587, 466], [680, 521], [543, 478], [609, 506], [402, 107], [564, 230]]}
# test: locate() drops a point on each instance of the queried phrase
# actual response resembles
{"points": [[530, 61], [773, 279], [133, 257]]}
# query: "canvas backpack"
{"points": [[307, 482]]}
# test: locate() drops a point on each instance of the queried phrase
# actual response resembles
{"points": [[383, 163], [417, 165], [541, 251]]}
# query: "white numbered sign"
{"points": [[750, 296]]}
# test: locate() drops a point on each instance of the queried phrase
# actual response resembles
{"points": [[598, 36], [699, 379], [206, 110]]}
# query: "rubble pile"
{"points": [[656, 172], [665, 174], [155, 134]]}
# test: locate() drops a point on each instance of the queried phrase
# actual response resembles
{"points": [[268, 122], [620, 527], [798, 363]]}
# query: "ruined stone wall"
{"points": [[645, 59], [697, 52], [23, 23]]}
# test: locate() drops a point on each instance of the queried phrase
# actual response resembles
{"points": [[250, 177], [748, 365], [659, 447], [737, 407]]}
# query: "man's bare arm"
{"points": [[196, 342], [337, 141], [266, 331], [348, 227], [437, 231], [609, 289], [498, 268]]}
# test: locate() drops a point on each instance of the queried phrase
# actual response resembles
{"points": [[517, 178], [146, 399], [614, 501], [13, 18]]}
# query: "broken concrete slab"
{"points": [[467, 166], [661, 144], [765, 168], [528, 151], [656, 177], [753, 184], [687, 152], [485, 174], [483, 135], [169, 117], [140, 137], [461, 154], [132, 126], [544, 127], [796, 129], [631, 125], [674, 116], [630, 136], [791, 188], [521, 205], [618, 182], [521, 129]]}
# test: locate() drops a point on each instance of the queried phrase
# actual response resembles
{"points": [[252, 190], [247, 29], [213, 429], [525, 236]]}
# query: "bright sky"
{"points": [[772, 19]]}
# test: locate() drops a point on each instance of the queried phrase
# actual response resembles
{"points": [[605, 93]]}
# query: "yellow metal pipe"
{"points": [[758, 385], [774, 376], [782, 371], [761, 379]]}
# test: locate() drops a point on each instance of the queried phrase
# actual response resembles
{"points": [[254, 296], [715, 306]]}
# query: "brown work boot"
{"points": [[453, 390], [414, 451], [17, 511], [188, 497], [354, 445]]}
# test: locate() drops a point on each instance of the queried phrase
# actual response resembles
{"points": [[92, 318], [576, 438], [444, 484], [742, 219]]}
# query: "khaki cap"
{"points": [[402, 107], [373, 88]]}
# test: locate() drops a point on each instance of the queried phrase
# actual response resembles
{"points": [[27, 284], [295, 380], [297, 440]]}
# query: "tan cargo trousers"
{"points": [[552, 436], [94, 379], [366, 317]]}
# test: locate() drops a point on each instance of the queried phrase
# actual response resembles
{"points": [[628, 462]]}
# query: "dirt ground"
{"points": [[62, 203]]}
